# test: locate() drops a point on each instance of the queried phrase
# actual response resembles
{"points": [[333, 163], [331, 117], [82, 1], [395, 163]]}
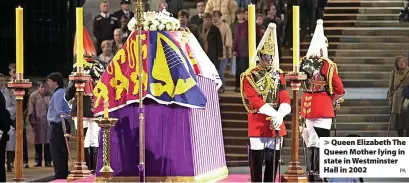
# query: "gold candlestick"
{"points": [[106, 124], [294, 172], [141, 166], [80, 169], [19, 85]]}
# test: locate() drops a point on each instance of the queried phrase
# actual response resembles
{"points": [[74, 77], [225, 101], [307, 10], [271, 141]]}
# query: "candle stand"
{"points": [[80, 169], [295, 172], [19, 85], [106, 124]]}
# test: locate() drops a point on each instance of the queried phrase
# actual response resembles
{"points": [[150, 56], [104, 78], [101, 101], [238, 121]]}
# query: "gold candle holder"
{"points": [[80, 170], [106, 124], [19, 85], [294, 172]]}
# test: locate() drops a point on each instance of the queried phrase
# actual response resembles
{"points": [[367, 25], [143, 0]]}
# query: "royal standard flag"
{"points": [[168, 77]]}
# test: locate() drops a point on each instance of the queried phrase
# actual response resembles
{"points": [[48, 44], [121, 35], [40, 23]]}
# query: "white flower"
{"points": [[168, 26], [153, 28], [161, 27], [155, 22], [146, 27]]}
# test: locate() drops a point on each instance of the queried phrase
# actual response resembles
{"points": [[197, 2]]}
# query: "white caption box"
{"points": [[371, 157]]}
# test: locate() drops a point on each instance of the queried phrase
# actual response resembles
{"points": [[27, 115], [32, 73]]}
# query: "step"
{"points": [[365, 38], [365, 45], [356, 16], [235, 98], [238, 107], [364, 75], [365, 23], [354, 3], [360, 83], [354, 52], [351, 60], [340, 117], [242, 149], [339, 125], [367, 31], [364, 10], [340, 133]]}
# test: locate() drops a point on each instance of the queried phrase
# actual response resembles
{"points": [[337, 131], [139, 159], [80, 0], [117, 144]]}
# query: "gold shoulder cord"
{"points": [[332, 68], [247, 75]]}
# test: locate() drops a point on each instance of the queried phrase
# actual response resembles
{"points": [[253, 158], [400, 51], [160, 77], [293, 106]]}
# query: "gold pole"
{"points": [[19, 85], [141, 166], [294, 172], [106, 124], [80, 77]]}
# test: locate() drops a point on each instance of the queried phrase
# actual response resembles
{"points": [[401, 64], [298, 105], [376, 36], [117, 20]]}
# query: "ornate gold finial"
{"points": [[139, 13]]}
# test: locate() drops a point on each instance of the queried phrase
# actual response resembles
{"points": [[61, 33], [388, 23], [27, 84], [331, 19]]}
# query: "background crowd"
{"points": [[221, 27]]}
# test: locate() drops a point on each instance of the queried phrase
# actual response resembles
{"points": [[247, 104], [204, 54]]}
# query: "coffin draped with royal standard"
{"points": [[181, 109]]}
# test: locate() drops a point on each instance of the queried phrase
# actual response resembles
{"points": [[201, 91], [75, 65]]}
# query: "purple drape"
{"points": [[168, 144]]}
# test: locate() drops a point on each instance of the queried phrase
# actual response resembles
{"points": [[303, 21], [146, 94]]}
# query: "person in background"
{"points": [[57, 107], [174, 6], [259, 22], [200, 8], [106, 56], [227, 7], [239, 19], [211, 40], [227, 41], [183, 17], [124, 11], [11, 107], [163, 6], [104, 25], [118, 41], [124, 28], [321, 4], [246, 14], [37, 117], [398, 81], [5, 123], [273, 18], [308, 9], [241, 49], [243, 3], [12, 72]]}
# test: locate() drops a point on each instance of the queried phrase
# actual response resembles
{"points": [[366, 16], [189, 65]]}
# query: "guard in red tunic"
{"points": [[265, 96], [322, 89]]}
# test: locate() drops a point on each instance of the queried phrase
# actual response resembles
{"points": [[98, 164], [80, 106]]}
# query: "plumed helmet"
{"points": [[268, 47], [319, 43]]}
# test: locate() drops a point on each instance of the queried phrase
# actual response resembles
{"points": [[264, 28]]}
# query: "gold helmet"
{"points": [[267, 49]]}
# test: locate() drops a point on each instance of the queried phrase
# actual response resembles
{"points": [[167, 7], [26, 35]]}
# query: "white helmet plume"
{"points": [[318, 45]]}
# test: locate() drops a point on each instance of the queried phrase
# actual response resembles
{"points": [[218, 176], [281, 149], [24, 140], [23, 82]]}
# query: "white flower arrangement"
{"points": [[157, 21]]}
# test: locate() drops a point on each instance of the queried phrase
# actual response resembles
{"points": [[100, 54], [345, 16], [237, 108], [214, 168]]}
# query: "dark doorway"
{"points": [[49, 27]]}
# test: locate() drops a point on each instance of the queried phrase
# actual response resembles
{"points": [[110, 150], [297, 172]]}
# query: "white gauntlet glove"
{"points": [[276, 122]]}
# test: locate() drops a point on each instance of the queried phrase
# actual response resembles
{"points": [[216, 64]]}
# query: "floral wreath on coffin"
{"points": [[156, 21]]}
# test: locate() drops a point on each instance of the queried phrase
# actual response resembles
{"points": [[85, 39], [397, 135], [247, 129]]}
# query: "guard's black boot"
{"points": [[310, 164], [316, 165], [256, 165], [94, 157], [87, 157], [272, 165], [10, 160]]}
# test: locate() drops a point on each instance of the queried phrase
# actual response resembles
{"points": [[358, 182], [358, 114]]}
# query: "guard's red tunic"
{"points": [[320, 105], [258, 126]]}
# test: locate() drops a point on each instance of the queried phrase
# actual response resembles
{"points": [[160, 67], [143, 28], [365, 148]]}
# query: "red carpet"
{"points": [[230, 178]]}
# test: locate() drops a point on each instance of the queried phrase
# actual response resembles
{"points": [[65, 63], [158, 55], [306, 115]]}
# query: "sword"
{"points": [[274, 155], [64, 128], [303, 142], [336, 107]]}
